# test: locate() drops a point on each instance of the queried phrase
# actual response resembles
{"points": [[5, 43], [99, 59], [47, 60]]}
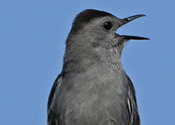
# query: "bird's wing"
{"points": [[50, 114], [132, 105]]}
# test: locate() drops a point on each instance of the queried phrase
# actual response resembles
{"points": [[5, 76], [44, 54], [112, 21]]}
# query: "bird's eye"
{"points": [[107, 25]]}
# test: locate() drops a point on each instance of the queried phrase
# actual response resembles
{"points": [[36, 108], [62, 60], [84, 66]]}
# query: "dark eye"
{"points": [[107, 25]]}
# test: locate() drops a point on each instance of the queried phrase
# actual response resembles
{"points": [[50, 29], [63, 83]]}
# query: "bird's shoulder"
{"points": [[132, 104], [55, 87]]}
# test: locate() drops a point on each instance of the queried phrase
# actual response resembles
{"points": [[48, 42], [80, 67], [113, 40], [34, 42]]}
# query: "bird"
{"points": [[93, 88]]}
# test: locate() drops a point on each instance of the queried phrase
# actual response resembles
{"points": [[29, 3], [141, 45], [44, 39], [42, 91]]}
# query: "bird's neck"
{"points": [[107, 60], [82, 54]]}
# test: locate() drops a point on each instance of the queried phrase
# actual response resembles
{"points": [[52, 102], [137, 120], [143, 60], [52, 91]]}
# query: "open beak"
{"points": [[127, 20]]}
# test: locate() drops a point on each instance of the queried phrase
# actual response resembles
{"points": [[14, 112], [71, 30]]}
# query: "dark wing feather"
{"points": [[132, 105], [51, 120]]}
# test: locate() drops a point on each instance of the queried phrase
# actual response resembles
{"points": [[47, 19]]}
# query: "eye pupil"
{"points": [[107, 25]]}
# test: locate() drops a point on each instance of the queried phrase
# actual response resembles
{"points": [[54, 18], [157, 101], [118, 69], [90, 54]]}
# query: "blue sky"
{"points": [[32, 43]]}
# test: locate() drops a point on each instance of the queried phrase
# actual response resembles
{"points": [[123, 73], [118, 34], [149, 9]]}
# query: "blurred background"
{"points": [[32, 44]]}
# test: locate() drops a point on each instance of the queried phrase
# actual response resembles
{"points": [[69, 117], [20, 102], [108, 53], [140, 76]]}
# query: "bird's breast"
{"points": [[96, 97]]}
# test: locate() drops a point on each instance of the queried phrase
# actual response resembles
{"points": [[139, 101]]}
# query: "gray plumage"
{"points": [[93, 88]]}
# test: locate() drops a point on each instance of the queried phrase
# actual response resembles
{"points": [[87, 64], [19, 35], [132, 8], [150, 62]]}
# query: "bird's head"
{"points": [[98, 28], [93, 33]]}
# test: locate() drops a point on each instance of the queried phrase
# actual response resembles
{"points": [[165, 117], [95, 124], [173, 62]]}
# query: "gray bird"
{"points": [[93, 88]]}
